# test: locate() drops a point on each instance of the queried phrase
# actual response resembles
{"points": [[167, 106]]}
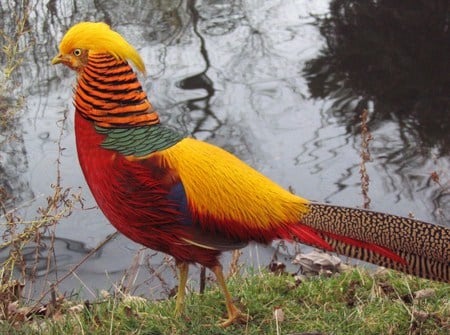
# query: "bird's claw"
{"points": [[235, 317]]}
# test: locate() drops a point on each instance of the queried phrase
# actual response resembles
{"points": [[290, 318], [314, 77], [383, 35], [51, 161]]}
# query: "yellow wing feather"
{"points": [[220, 185]]}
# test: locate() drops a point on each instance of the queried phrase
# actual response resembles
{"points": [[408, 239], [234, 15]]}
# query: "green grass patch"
{"points": [[355, 302]]}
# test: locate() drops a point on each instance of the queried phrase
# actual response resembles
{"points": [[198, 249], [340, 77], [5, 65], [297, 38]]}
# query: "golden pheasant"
{"points": [[193, 200]]}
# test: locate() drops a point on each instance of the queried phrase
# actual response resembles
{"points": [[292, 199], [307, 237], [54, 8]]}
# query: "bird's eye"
{"points": [[77, 52]]}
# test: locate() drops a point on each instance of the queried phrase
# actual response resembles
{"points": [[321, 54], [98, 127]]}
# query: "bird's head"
{"points": [[94, 37]]}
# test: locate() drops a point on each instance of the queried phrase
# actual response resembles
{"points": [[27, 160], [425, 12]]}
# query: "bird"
{"points": [[193, 200]]}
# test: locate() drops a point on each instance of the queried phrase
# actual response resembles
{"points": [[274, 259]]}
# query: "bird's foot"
{"points": [[234, 316], [178, 310]]}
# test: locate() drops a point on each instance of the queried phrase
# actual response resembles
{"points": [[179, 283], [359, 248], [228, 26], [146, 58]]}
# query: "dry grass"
{"points": [[12, 53], [17, 232]]}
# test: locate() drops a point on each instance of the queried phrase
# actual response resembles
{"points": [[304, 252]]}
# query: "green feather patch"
{"points": [[139, 141]]}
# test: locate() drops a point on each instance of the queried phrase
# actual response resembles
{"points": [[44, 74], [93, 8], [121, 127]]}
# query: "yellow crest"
{"points": [[98, 37]]}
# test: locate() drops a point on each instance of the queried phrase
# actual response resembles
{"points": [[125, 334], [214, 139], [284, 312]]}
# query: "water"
{"points": [[258, 78]]}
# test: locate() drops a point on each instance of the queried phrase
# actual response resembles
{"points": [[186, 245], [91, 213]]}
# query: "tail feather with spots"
{"points": [[411, 246]]}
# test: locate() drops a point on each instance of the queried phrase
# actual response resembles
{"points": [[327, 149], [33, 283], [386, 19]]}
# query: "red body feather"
{"points": [[133, 196]]}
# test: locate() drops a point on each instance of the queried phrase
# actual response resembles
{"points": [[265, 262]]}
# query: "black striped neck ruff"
{"points": [[109, 93]]}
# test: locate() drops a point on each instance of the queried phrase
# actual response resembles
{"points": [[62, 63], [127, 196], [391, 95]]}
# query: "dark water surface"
{"points": [[281, 84]]}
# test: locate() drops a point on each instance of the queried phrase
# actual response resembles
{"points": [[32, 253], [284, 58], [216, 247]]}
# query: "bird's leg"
{"points": [[234, 314], [183, 270]]}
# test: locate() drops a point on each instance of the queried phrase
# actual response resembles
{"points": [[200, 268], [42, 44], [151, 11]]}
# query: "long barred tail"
{"points": [[421, 249]]}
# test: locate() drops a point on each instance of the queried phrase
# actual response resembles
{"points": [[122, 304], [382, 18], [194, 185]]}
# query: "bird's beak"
{"points": [[58, 59]]}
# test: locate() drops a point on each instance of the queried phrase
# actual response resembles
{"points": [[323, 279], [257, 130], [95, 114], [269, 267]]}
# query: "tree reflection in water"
{"points": [[392, 54]]}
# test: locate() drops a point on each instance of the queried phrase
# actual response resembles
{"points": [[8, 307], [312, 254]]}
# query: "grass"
{"points": [[353, 302]]}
